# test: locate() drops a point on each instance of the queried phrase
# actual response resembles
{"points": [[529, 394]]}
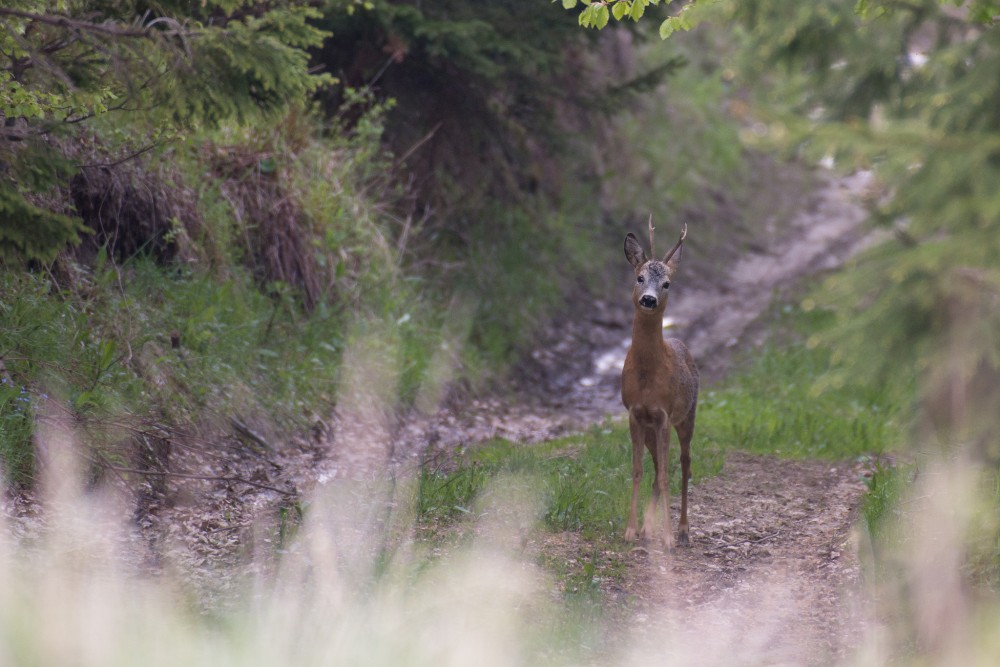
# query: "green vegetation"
{"points": [[597, 14], [223, 291], [895, 88], [779, 404], [68, 63], [584, 481], [198, 220], [881, 504]]}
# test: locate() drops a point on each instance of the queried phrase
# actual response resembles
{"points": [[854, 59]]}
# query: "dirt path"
{"points": [[771, 576]]}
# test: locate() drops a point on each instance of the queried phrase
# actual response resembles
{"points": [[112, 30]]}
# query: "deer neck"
{"points": [[647, 337]]}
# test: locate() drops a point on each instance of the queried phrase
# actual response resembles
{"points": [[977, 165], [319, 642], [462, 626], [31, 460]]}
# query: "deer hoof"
{"points": [[683, 540], [630, 534]]}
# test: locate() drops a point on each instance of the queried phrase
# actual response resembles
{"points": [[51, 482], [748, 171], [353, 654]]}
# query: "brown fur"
{"points": [[660, 391]]}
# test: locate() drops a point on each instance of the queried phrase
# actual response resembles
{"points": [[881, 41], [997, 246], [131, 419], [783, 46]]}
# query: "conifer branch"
{"points": [[88, 26]]}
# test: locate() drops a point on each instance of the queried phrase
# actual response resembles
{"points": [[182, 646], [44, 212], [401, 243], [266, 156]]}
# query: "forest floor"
{"points": [[772, 575]]}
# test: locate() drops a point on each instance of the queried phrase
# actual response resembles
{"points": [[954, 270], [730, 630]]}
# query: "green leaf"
{"points": [[568, 4], [618, 11], [603, 16], [268, 165], [106, 355], [84, 400], [673, 24], [638, 9], [667, 28]]}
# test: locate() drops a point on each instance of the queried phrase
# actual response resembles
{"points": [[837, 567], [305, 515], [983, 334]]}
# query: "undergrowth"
{"points": [[220, 283], [181, 350], [880, 507]]}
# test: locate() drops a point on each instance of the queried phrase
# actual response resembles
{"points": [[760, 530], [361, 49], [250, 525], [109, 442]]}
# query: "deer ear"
{"points": [[634, 253]]}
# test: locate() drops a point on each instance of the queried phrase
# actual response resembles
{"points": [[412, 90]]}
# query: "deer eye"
{"points": [[640, 279], [666, 285]]}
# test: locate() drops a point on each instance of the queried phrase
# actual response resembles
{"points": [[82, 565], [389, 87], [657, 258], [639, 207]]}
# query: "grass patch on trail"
{"points": [[778, 406], [584, 481]]}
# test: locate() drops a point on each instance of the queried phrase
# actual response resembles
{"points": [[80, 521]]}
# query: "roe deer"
{"points": [[659, 389]]}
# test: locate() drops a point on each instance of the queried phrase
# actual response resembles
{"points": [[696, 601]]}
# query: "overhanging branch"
{"points": [[101, 28]]}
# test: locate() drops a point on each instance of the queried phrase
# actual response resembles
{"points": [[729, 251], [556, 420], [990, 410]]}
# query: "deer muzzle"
{"points": [[647, 301]]}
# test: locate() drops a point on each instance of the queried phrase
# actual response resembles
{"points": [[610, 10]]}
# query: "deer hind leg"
{"points": [[636, 431], [685, 430]]}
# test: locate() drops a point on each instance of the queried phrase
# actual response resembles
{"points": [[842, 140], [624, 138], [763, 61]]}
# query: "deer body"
{"points": [[659, 390]]}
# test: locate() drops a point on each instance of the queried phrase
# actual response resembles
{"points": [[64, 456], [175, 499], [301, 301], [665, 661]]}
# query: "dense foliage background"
{"points": [[184, 187], [416, 162]]}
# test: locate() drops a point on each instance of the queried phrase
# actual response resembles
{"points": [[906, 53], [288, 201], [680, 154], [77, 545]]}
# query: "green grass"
{"points": [[584, 481], [16, 426], [778, 405], [880, 506], [105, 354]]}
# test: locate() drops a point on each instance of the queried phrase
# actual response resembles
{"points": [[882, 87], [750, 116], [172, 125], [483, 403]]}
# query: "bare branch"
{"points": [[132, 156], [180, 475], [101, 28]]}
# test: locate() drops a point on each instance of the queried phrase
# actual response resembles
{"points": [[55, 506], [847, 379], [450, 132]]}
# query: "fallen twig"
{"points": [[748, 540], [211, 478], [248, 433]]}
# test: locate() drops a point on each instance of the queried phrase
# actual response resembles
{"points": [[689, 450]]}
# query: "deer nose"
{"points": [[647, 301]]}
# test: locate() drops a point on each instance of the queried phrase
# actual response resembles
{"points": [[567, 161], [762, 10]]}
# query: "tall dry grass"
{"points": [[358, 585]]}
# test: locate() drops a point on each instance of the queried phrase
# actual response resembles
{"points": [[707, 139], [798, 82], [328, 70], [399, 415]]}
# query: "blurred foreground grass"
{"points": [[435, 569]]}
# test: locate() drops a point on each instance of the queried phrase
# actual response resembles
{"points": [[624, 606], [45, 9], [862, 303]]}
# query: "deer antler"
{"points": [[652, 253], [684, 233]]}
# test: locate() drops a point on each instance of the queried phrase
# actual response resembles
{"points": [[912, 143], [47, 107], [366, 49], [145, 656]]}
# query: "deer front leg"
{"points": [[635, 430], [663, 481], [649, 529]]}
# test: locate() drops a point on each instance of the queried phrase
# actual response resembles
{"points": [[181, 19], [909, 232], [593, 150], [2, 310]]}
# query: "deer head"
{"points": [[652, 276]]}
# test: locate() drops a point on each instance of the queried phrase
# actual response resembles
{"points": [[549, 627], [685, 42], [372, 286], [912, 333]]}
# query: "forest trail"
{"points": [[771, 575], [573, 378]]}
